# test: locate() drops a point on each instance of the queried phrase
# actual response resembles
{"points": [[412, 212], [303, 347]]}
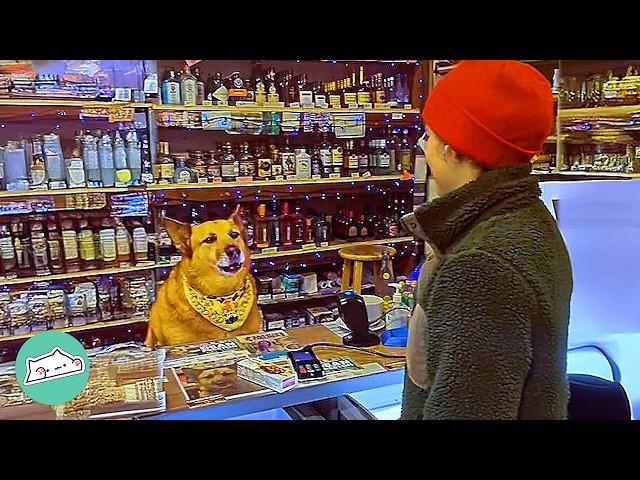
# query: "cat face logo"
{"points": [[53, 365]]}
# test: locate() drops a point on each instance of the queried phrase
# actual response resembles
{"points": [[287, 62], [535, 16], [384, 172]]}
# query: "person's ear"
{"points": [[180, 234], [449, 154]]}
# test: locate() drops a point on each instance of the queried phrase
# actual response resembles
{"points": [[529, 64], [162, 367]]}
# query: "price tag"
{"points": [[353, 106], [121, 114], [244, 179], [203, 180], [355, 175], [407, 106], [381, 105], [309, 246], [270, 250], [367, 106], [123, 94], [366, 174], [397, 116], [334, 175], [324, 244], [316, 177]]}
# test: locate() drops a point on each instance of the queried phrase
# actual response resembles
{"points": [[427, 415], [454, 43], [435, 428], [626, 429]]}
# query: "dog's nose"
{"points": [[232, 252]]}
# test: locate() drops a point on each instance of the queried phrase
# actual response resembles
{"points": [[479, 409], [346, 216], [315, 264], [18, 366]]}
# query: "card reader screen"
{"points": [[302, 356]]}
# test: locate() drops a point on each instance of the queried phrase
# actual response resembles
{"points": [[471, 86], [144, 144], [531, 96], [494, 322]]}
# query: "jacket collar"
{"points": [[443, 221]]}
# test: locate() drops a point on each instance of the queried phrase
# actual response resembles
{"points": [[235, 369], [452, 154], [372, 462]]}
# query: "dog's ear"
{"points": [[236, 218], [180, 234]]}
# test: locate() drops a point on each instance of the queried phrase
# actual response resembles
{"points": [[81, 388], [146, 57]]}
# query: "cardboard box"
{"points": [[277, 375]]}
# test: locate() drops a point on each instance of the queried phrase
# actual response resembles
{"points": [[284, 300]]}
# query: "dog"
{"points": [[210, 294]]}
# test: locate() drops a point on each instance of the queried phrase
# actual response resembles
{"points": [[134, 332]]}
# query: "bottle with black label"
{"points": [[405, 152], [247, 162], [219, 93], [321, 231], [249, 227], [298, 227], [54, 242], [363, 158], [276, 163], [237, 90], [288, 160], [337, 157], [325, 157], [350, 159], [230, 167], [384, 160], [316, 162], [274, 221], [264, 162], [7, 253]]}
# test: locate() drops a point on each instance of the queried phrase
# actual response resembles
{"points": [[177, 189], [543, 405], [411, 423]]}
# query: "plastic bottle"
{"points": [[399, 313]]}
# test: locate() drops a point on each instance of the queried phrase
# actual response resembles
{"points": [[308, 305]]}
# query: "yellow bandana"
{"points": [[228, 312]]}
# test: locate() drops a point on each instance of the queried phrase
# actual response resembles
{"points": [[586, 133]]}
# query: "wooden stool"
{"points": [[353, 262]]}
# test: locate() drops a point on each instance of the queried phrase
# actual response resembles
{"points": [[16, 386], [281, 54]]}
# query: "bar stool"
{"points": [[353, 262]]}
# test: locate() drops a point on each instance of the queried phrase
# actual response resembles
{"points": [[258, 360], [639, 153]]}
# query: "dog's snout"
{"points": [[232, 252]]}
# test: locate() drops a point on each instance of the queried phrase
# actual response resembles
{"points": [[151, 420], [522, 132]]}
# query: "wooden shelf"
{"points": [[571, 173], [43, 102], [88, 327], [598, 112], [313, 296], [83, 273], [67, 191], [299, 251], [270, 183], [254, 109]]}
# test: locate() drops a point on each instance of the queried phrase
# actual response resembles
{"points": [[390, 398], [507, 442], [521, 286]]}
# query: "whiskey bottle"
{"points": [[405, 151], [262, 227], [261, 92], [363, 158], [298, 226], [123, 245], [384, 160], [264, 162], [38, 170], [39, 247], [70, 245], [288, 160], [316, 163], [165, 164], [303, 163], [287, 226], [276, 162], [229, 165], [321, 232], [351, 226], [86, 245], [326, 158], [219, 93], [247, 162], [363, 229], [351, 159], [249, 228], [7, 253], [275, 238], [238, 90], [337, 157], [54, 242], [182, 173], [214, 172]]}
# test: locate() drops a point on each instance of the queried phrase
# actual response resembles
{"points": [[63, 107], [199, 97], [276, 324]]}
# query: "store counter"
{"points": [[232, 397]]}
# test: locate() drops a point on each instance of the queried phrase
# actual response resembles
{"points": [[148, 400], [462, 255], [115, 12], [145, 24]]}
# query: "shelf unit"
{"points": [[81, 328], [43, 102], [276, 108]]}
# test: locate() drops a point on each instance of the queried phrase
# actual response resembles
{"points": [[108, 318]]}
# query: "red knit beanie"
{"points": [[496, 112]]}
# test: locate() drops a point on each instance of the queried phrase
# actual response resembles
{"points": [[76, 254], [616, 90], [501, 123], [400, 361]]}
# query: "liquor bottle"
{"points": [[298, 226], [321, 231], [165, 166], [384, 159], [309, 231], [54, 242], [86, 246], [54, 160], [90, 158], [276, 163], [7, 253], [392, 226], [385, 276], [264, 162], [198, 165], [70, 244], [237, 90], [108, 248], [188, 87], [380, 94], [171, 94], [200, 89], [394, 143], [247, 162], [351, 159], [405, 151], [275, 238], [287, 226], [123, 244], [251, 93], [351, 226], [219, 93], [303, 163], [326, 157], [120, 154], [39, 247], [337, 157], [316, 163], [350, 95], [364, 94], [229, 165], [37, 167], [140, 244], [288, 160], [363, 158], [134, 156], [105, 157], [95, 230], [182, 173], [363, 229], [249, 228], [261, 92], [262, 227], [272, 96], [214, 172]]}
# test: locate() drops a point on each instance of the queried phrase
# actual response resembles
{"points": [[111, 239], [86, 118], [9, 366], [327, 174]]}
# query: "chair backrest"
{"points": [[595, 398]]}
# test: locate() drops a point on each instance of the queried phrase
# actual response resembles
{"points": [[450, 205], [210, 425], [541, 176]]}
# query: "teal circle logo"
{"points": [[52, 368]]}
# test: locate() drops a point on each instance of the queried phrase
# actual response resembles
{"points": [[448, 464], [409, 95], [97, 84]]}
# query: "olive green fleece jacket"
{"points": [[497, 307]]}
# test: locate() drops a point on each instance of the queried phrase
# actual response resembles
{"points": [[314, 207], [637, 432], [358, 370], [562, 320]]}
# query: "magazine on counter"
{"points": [[203, 384], [122, 383], [222, 352], [274, 341]]}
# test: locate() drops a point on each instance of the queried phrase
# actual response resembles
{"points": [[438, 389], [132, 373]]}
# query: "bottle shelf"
{"points": [[571, 173], [199, 186], [270, 183], [80, 328], [312, 296], [621, 111], [251, 108], [83, 273], [45, 102]]}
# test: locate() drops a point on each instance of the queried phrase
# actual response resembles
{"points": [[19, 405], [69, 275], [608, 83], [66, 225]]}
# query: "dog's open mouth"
{"points": [[231, 268]]}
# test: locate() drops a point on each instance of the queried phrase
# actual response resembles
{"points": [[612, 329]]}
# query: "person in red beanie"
{"points": [[488, 338]]}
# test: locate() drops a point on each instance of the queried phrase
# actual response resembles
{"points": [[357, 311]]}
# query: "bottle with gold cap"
{"points": [[262, 239]]}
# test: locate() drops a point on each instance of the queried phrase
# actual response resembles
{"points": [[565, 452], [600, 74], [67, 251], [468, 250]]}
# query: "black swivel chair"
{"points": [[595, 398]]}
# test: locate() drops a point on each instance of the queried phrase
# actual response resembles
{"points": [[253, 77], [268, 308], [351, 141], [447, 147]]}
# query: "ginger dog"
{"points": [[210, 294]]}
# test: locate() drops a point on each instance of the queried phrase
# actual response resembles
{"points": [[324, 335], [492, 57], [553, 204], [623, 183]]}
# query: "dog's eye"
{"points": [[210, 239], [234, 234]]}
